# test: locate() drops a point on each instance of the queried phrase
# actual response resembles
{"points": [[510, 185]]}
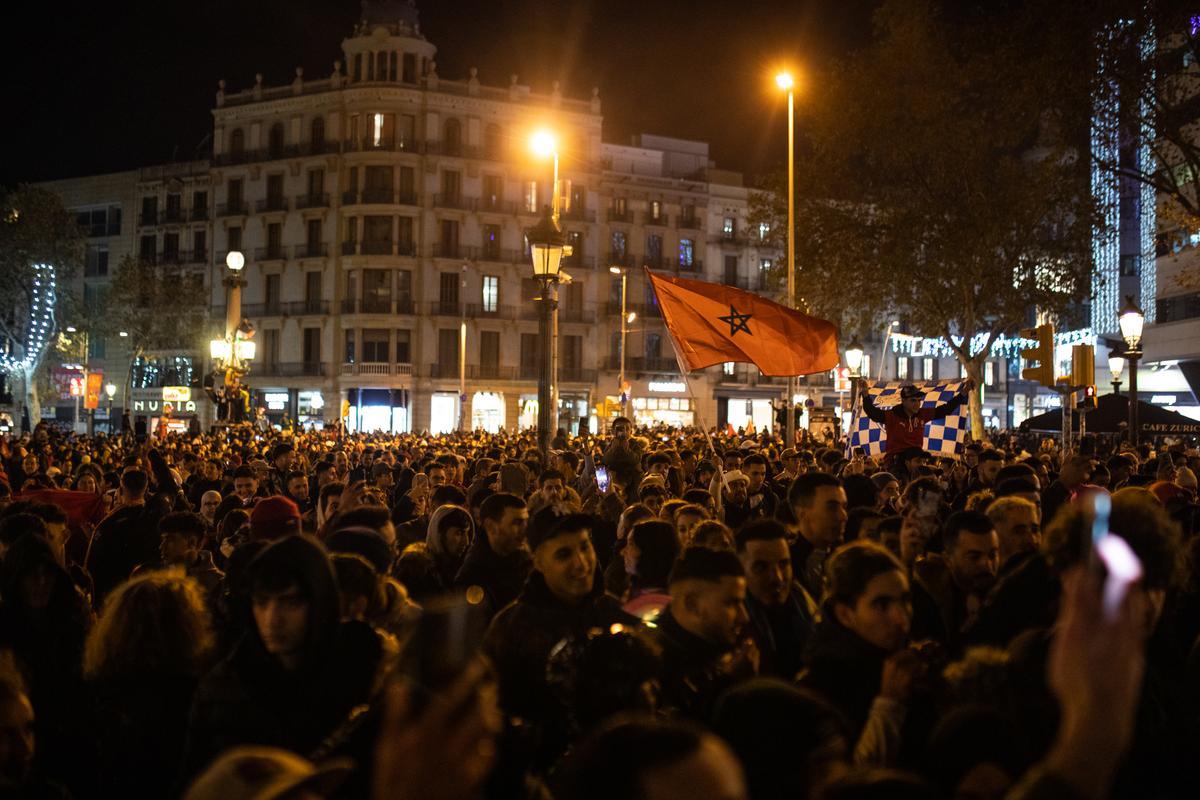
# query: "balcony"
{"points": [[181, 257], [577, 214], [272, 204], [455, 149], [575, 314], [312, 201], [658, 364], [495, 205], [454, 200], [495, 372], [734, 377], [620, 216], [172, 216], [306, 307], [439, 370], [656, 262], [446, 308], [621, 259], [378, 196], [737, 282], [349, 248], [662, 220], [576, 375], [528, 372], [234, 208], [270, 309], [690, 222], [478, 311], [407, 197], [382, 247], [406, 248], [310, 250], [568, 262], [373, 145], [200, 213], [695, 265], [270, 253], [448, 250], [292, 369]]}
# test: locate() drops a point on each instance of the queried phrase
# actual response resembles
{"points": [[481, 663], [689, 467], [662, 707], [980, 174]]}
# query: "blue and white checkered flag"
{"points": [[943, 437]]}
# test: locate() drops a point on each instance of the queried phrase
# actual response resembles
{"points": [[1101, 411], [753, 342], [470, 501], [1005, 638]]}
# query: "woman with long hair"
{"points": [[142, 661]]}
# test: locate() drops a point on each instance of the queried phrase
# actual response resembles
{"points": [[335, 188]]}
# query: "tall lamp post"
{"points": [[1116, 365], [546, 245], [1131, 321], [854, 358], [232, 355], [627, 317], [785, 82]]}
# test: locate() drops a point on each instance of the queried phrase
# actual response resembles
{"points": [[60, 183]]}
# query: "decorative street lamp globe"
{"points": [[546, 245], [784, 80], [1131, 320], [110, 389], [854, 356], [1116, 366], [235, 260]]}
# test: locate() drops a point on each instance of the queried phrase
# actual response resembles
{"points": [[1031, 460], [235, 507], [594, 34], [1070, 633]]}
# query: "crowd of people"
{"points": [[645, 613]]}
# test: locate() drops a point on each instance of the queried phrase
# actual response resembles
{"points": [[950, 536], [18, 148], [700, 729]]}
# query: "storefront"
{"points": [[172, 406], [741, 409], [377, 410], [443, 412], [310, 409], [663, 402], [487, 412]]}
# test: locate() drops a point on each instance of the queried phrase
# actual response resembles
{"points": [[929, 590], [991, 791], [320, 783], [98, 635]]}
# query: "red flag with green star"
{"points": [[711, 324]]}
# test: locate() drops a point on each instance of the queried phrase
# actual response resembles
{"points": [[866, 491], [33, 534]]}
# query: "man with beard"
{"points": [[958, 578], [781, 613]]}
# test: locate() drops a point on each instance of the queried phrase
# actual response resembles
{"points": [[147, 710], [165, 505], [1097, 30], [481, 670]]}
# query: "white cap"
{"points": [[735, 475]]}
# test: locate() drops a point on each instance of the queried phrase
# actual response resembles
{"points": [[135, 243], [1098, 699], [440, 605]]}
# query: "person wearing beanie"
{"points": [[274, 518], [563, 598]]}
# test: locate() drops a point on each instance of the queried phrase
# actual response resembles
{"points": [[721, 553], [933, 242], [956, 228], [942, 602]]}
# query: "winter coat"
{"points": [[500, 577], [692, 676], [782, 633], [844, 668]]}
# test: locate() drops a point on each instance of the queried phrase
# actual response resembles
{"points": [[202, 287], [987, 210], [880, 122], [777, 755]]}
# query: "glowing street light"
{"points": [[785, 83]]}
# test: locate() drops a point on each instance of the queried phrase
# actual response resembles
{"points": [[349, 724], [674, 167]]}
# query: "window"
{"points": [[452, 137], [619, 206], [316, 136], [531, 196], [618, 246], [404, 235], [492, 140], [237, 142], [448, 289], [493, 191], [233, 194], [348, 353], [653, 346], [570, 355], [269, 350], [170, 247], [199, 246], [409, 68], [377, 235], [764, 230], [174, 207], [316, 183], [312, 237], [147, 248], [403, 346], [576, 198], [312, 287], [375, 346], [377, 185], [531, 355], [902, 368], [989, 373], [377, 291], [274, 240], [864, 368], [408, 192], [271, 291], [1129, 266], [491, 294], [491, 242], [451, 186], [275, 191], [575, 242], [199, 205], [408, 132], [728, 368], [728, 228], [928, 369], [96, 265], [312, 348], [96, 348], [381, 130], [686, 253], [655, 210], [149, 210], [449, 238], [489, 350], [233, 237], [447, 351], [614, 293], [731, 270], [275, 141], [654, 244]]}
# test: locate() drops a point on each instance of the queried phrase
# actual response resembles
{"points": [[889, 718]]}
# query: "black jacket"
{"points": [[124, 540], [844, 668], [500, 577], [522, 635], [692, 677], [781, 633]]}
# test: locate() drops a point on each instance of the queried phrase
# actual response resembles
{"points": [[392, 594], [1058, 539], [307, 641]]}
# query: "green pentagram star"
{"points": [[737, 322]]}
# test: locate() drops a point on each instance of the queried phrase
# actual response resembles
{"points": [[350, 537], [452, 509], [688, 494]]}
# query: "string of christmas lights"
{"points": [[1003, 346], [41, 320]]}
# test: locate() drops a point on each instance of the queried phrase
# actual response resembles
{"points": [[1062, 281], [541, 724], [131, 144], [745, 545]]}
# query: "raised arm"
{"points": [[873, 412]]}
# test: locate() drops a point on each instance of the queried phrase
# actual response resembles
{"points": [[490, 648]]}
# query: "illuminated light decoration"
{"points": [[1003, 346], [1147, 205], [1105, 144], [43, 296]]}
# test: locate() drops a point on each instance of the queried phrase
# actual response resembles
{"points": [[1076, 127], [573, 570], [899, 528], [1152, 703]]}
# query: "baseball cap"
{"points": [[908, 392], [273, 518], [735, 475]]}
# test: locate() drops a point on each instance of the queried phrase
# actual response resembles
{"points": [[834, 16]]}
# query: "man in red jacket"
{"points": [[905, 423]]}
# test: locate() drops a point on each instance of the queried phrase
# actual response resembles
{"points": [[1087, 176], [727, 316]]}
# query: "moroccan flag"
{"points": [[712, 324]]}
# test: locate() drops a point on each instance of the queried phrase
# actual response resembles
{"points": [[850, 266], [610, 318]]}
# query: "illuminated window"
{"points": [[491, 294], [764, 230], [655, 210], [687, 251], [989, 373], [928, 369], [727, 368], [728, 228], [377, 130], [531, 197], [902, 367], [865, 368]]}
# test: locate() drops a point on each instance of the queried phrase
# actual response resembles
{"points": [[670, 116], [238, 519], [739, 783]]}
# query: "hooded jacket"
{"points": [[447, 563], [250, 698]]}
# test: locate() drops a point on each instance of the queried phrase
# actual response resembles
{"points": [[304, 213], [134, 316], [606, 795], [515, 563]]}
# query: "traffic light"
{"points": [[1083, 365], [1043, 354], [1089, 397]]}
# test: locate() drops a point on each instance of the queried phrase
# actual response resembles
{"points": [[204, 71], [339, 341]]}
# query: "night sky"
{"points": [[100, 86]]}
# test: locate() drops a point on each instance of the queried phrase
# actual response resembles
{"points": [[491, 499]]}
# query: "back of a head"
{"points": [[613, 761], [861, 491], [373, 517], [775, 728], [134, 482], [877, 784], [658, 546], [707, 565], [1014, 486]]}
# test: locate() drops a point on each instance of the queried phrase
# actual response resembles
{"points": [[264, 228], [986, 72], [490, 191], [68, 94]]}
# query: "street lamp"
{"points": [[110, 390], [627, 317], [546, 245], [786, 83], [232, 354], [854, 359], [1131, 321], [1116, 365]]}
